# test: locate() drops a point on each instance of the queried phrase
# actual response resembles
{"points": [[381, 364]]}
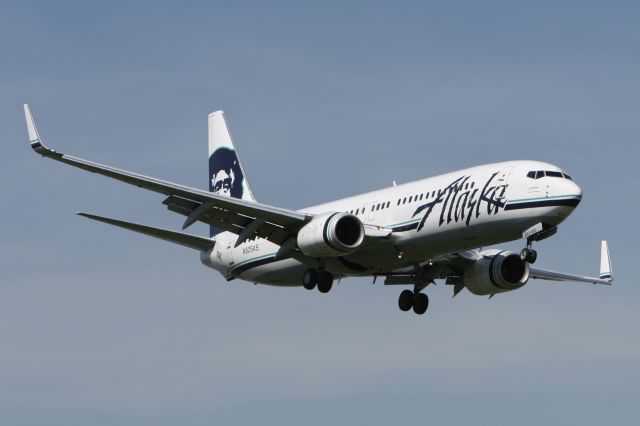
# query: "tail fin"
{"points": [[226, 175]]}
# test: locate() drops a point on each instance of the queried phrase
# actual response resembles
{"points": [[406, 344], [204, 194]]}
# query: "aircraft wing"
{"points": [[606, 276], [452, 267], [232, 214]]}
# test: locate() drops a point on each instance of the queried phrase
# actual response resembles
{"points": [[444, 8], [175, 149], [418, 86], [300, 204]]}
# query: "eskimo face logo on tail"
{"points": [[226, 174]]}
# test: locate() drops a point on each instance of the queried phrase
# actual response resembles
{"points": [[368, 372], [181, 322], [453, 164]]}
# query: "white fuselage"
{"points": [[445, 214]]}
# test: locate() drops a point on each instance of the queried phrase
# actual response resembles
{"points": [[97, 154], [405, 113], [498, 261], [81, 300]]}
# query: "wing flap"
{"points": [[233, 223]]}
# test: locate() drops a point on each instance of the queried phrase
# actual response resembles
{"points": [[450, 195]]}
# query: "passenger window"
{"points": [[357, 211], [388, 204], [404, 200], [398, 201]]}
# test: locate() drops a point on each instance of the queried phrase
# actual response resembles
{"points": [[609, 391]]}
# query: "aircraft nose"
{"points": [[577, 190], [572, 191]]}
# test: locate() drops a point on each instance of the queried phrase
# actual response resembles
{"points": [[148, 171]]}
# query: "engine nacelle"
{"points": [[331, 234], [496, 272]]}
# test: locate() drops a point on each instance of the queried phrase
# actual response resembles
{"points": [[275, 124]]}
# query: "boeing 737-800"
{"points": [[410, 234]]}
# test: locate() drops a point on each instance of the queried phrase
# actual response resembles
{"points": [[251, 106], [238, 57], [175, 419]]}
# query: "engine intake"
{"points": [[331, 234], [496, 272]]}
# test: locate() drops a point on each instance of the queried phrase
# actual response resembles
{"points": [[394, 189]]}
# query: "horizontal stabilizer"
{"points": [[187, 240]]}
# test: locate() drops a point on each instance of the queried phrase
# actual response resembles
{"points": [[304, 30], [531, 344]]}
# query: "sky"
{"points": [[325, 99]]}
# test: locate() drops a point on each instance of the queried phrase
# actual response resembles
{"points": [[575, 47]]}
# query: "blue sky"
{"points": [[325, 100]]}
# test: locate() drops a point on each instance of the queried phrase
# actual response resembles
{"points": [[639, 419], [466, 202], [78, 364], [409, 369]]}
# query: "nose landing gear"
{"points": [[528, 254], [537, 232]]}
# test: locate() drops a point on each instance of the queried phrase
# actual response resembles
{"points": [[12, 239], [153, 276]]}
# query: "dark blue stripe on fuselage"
{"points": [[571, 202], [403, 228], [253, 264]]}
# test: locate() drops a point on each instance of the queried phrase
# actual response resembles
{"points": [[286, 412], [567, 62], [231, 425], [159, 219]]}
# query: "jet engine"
{"points": [[496, 272], [331, 234]]}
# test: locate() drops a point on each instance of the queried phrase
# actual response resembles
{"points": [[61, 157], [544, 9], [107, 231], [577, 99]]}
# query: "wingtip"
{"points": [[606, 272], [34, 136]]}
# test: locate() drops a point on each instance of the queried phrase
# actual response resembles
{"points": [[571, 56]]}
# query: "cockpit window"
{"points": [[538, 174]]}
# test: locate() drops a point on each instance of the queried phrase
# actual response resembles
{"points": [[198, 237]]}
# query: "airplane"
{"points": [[409, 235]]}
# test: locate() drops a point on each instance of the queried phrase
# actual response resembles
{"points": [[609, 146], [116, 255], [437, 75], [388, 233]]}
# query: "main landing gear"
{"points": [[323, 280], [413, 299]]}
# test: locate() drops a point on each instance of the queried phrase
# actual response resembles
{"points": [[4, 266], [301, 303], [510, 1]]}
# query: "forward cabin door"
{"points": [[502, 180]]}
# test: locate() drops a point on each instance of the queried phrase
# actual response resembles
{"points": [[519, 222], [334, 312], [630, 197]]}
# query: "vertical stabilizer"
{"points": [[226, 174]]}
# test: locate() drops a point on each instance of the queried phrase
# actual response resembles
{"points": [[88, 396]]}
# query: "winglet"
{"points": [[34, 137], [605, 263]]}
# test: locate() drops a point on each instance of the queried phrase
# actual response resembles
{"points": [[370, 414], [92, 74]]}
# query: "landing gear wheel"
{"points": [[405, 301], [325, 281], [528, 255], [310, 279], [420, 303]]}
